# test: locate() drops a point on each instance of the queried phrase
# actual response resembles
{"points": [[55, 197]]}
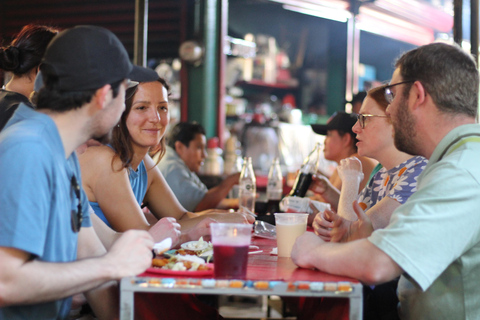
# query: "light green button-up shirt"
{"points": [[435, 235]]}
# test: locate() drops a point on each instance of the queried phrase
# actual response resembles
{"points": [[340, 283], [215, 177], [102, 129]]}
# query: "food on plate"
{"points": [[199, 245], [199, 248], [180, 263]]}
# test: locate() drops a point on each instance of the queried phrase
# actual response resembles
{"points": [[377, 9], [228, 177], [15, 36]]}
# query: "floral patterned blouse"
{"points": [[398, 183]]}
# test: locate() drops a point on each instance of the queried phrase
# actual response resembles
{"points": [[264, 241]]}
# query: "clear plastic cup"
{"points": [[230, 249], [289, 227]]}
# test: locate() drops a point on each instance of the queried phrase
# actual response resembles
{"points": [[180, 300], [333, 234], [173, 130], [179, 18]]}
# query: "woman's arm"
{"points": [[110, 188], [368, 165], [162, 202], [381, 212]]}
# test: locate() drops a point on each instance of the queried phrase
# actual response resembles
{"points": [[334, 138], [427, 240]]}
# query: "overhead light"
{"points": [[385, 25], [326, 13]]}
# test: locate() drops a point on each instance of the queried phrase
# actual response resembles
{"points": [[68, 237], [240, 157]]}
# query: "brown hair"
{"points": [[121, 138], [27, 49], [378, 95], [448, 74]]}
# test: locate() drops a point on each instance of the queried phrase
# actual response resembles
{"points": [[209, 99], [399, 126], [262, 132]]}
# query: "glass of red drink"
{"points": [[230, 249]]}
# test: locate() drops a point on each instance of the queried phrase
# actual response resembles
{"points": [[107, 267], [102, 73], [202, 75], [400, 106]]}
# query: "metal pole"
{"points": [[457, 21], [353, 52], [141, 32], [474, 28]]}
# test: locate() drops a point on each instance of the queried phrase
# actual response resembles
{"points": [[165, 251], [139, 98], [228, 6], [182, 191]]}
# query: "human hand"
{"points": [[201, 229], [319, 184], [238, 217], [350, 168], [164, 228], [322, 225], [344, 231], [303, 248], [131, 254], [233, 178]]}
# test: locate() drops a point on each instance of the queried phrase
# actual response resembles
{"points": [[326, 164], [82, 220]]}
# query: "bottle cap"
{"points": [[212, 143]]}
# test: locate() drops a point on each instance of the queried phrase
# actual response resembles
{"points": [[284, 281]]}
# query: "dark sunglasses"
{"points": [[76, 216]]}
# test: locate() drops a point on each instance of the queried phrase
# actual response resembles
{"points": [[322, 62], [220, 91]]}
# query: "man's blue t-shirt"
{"points": [[36, 200]]}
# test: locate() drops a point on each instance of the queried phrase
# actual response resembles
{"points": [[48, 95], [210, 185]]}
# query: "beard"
{"points": [[404, 130], [103, 138]]}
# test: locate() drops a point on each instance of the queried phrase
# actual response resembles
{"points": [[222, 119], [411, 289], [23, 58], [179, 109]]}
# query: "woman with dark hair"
{"points": [[120, 177], [22, 58]]}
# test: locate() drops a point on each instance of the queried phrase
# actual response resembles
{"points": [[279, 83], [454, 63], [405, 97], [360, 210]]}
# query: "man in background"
{"points": [[185, 154]]}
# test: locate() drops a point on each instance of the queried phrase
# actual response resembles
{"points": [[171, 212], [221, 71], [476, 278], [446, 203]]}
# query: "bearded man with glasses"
{"points": [[433, 240]]}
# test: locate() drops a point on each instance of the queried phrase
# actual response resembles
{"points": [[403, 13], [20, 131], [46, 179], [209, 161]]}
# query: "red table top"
{"points": [[264, 266]]}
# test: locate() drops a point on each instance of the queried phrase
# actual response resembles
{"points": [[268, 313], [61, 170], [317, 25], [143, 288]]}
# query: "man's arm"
{"points": [[357, 259], [103, 299], [215, 195], [20, 283]]}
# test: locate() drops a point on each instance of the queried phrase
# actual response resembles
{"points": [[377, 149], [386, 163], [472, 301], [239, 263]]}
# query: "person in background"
{"points": [[341, 143], [45, 225], [185, 153], [119, 177], [357, 101], [22, 58], [433, 240]]}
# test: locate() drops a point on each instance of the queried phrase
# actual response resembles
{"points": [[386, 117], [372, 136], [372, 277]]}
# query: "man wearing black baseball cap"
{"points": [[45, 223], [340, 143]]}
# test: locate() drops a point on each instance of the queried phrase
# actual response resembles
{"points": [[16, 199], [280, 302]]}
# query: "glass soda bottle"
{"points": [[247, 187], [274, 187], [304, 176]]}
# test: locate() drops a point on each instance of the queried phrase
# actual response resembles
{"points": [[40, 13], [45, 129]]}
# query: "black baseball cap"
{"points": [[89, 57], [358, 97], [338, 121]]}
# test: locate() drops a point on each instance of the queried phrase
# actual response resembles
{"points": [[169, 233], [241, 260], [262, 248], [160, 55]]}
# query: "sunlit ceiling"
{"points": [[411, 21]]}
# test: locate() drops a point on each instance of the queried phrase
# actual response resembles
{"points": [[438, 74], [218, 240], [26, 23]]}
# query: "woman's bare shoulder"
{"points": [[97, 155]]}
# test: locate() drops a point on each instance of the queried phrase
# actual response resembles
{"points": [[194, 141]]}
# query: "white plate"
{"points": [[194, 246], [162, 246]]}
